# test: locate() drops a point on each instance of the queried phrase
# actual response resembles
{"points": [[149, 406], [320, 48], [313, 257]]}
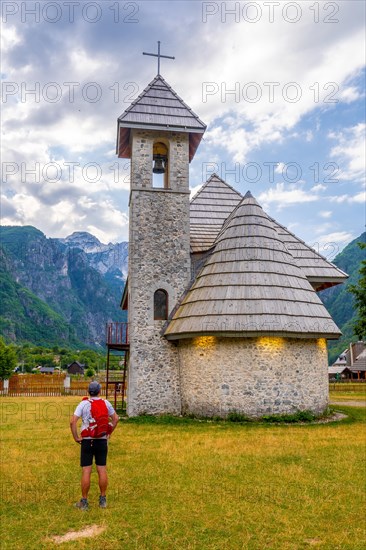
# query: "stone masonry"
{"points": [[253, 376], [211, 375], [159, 257]]}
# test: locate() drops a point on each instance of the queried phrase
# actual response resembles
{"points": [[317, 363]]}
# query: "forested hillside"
{"points": [[53, 290], [339, 301], [26, 318]]}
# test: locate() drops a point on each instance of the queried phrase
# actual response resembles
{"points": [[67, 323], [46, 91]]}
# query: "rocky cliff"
{"points": [[80, 279]]}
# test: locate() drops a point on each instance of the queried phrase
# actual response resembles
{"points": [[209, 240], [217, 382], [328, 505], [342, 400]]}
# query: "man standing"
{"points": [[92, 447]]}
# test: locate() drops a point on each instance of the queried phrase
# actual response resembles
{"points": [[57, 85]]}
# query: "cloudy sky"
{"points": [[279, 84]]}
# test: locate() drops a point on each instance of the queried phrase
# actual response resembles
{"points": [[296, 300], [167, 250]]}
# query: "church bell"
{"points": [[159, 164]]}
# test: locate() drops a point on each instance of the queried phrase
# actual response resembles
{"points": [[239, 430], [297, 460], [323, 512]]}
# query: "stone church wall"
{"points": [[153, 385], [253, 376]]}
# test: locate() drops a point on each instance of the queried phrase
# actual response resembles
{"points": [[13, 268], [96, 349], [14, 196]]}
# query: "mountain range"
{"points": [[64, 291], [59, 291]]}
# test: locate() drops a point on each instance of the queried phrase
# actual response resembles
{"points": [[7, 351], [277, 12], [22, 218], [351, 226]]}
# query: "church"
{"points": [[223, 311]]}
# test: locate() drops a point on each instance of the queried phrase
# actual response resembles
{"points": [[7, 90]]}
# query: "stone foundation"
{"points": [[253, 376], [153, 384]]}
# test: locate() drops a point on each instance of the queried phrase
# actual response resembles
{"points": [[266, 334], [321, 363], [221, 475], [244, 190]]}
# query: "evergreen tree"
{"points": [[359, 292]]}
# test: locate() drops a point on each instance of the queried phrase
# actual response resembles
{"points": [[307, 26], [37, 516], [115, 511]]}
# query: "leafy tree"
{"points": [[89, 373], [359, 292], [45, 360], [28, 367], [31, 356], [27, 359], [68, 358], [8, 360]]}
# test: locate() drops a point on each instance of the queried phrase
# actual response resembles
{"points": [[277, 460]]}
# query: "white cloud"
{"points": [[339, 198], [309, 136], [318, 79], [350, 94], [195, 190], [358, 198], [319, 187], [326, 226], [112, 225], [279, 168], [281, 195], [9, 38], [330, 244], [102, 218], [80, 131], [325, 213], [26, 210], [350, 152]]}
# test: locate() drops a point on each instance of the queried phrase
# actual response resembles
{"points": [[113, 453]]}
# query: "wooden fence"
{"points": [[37, 385], [348, 386]]}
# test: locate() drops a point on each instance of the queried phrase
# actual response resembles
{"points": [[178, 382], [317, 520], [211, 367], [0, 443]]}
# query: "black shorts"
{"points": [[90, 448]]}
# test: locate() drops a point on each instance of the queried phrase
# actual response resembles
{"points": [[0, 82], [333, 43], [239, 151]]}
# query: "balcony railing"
{"points": [[117, 334]]}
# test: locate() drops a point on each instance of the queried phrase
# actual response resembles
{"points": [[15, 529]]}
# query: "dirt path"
{"points": [[348, 403]]}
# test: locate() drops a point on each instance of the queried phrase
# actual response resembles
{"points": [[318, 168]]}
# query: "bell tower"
{"points": [[160, 134]]}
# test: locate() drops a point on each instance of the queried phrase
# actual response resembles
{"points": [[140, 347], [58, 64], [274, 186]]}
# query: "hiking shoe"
{"points": [[82, 504], [102, 502]]}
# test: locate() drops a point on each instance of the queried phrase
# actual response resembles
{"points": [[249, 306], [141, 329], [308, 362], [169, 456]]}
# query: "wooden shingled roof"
{"points": [[159, 107], [251, 286], [360, 363], [209, 209], [213, 204], [338, 369]]}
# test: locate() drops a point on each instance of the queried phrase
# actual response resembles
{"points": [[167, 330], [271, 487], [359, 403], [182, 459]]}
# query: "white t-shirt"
{"points": [[83, 411]]}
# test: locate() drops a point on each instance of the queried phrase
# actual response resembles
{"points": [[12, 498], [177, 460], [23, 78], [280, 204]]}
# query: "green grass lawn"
{"points": [[347, 391], [184, 484], [347, 396]]}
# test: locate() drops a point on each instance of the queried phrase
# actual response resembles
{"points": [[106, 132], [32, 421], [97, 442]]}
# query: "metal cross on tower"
{"points": [[158, 55]]}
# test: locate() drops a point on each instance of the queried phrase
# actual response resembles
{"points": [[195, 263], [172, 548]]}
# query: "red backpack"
{"points": [[98, 424]]}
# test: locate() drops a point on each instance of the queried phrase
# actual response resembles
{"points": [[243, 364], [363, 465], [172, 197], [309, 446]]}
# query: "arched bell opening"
{"points": [[160, 166]]}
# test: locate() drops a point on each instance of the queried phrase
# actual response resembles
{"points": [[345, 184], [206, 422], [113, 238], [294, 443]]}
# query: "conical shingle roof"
{"points": [[209, 209], [251, 286], [159, 107]]}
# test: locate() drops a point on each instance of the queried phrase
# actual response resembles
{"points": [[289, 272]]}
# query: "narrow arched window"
{"points": [[160, 305]]}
